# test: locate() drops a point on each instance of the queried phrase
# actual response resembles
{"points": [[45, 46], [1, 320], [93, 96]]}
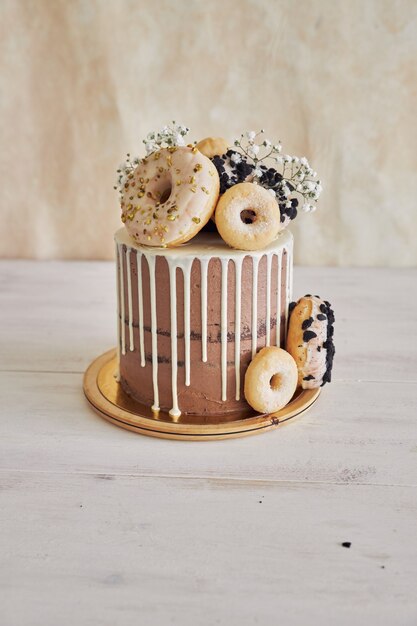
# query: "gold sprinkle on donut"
{"points": [[196, 220], [205, 190], [156, 156], [194, 189], [194, 150], [171, 217], [198, 167], [178, 183], [192, 180]]}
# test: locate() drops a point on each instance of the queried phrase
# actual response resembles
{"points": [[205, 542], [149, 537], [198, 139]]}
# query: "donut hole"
{"points": [[275, 382], [165, 193], [248, 216]]}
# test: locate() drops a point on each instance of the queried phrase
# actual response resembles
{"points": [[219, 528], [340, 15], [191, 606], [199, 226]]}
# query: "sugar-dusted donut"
{"points": [[247, 217], [310, 340], [270, 380], [169, 196], [212, 146]]}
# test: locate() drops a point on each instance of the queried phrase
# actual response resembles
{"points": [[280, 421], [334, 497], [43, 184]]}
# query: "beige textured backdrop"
{"points": [[83, 81]]}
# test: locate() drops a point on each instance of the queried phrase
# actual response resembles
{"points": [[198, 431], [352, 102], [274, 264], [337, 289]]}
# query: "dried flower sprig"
{"points": [[296, 175], [124, 171], [167, 137]]}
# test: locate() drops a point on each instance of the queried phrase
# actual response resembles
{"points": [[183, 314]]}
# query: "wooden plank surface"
{"points": [[100, 526]]}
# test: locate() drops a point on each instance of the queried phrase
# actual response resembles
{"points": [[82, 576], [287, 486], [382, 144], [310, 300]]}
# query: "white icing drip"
{"points": [[204, 267], [238, 305], [151, 264], [223, 327], [175, 412], [290, 260], [122, 299], [279, 279], [187, 288], [117, 373], [129, 299], [287, 290], [268, 298], [140, 308], [183, 257], [255, 262]]}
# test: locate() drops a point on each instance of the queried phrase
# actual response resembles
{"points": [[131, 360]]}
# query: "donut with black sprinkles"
{"points": [[329, 344], [234, 168], [310, 340]]}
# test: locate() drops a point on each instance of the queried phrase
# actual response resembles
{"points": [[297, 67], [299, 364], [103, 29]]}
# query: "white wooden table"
{"points": [[100, 526]]}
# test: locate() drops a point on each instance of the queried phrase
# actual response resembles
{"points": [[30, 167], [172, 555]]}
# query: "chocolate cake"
{"points": [[192, 317]]}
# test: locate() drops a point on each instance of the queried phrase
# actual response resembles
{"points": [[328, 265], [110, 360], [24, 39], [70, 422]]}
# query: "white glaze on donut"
{"points": [[169, 196]]}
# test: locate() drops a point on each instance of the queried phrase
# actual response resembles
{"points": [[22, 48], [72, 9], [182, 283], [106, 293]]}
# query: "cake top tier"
{"points": [[205, 245], [248, 193]]}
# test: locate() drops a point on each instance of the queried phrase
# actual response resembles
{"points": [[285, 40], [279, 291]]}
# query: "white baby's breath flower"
{"points": [[253, 150], [272, 192], [307, 208], [150, 147], [258, 172], [251, 135], [304, 161], [236, 158], [179, 140]]}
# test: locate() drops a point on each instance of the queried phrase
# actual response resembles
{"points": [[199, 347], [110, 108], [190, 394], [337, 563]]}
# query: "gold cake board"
{"points": [[110, 401]]}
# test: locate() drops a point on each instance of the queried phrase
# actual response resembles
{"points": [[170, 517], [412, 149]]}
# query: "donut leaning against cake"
{"points": [[251, 192]]}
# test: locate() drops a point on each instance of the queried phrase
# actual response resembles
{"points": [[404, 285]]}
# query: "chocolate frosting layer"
{"points": [[208, 381]]}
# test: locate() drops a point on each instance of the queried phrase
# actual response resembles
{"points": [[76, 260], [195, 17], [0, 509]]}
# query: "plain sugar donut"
{"points": [[248, 217], [270, 380], [310, 340], [169, 196]]}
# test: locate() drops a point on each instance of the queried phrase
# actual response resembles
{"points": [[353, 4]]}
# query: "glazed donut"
{"points": [[169, 196], [212, 146], [310, 340], [270, 380], [247, 217]]}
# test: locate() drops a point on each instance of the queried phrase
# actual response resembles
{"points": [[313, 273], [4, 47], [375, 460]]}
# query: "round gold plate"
{"points": [[110, 401]]}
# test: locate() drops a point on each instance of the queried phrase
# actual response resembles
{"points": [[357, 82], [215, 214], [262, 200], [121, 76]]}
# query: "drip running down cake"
{"points": [[204, 272]]}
